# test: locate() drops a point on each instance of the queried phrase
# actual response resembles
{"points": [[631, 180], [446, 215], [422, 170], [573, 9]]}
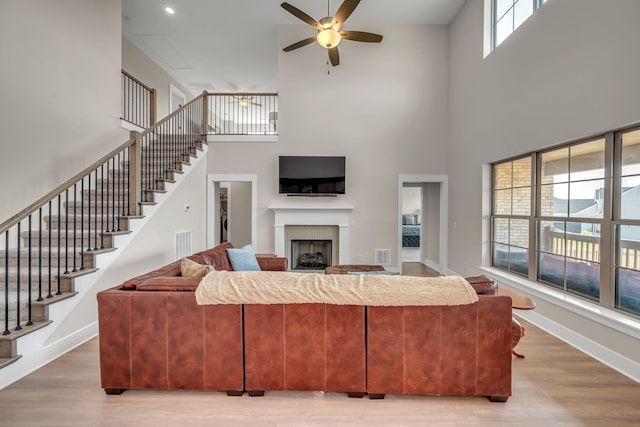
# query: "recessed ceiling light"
{"points": [[169, 10]]}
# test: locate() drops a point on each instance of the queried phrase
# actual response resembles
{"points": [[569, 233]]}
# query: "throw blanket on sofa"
{"points": [[265, 287]]}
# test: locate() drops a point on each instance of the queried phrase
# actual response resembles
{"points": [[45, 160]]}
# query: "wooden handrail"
{"points": [[242, 93], [137, 81], [170, 116], [50, 195]]}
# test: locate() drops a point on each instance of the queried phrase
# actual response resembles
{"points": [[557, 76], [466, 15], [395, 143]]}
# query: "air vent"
{"points": [[383, 256], [183, 244]]}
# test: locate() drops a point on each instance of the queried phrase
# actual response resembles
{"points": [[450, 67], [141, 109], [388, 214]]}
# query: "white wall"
{"points": [[571, 70], [384, 108], [431, 222], [60, 93], [148, 72], [239, 215]]}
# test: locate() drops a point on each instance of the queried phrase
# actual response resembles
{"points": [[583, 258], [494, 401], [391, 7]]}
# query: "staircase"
{"points": [[47, 246]]}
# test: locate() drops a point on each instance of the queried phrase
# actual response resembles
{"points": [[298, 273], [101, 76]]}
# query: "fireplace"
{"points": [[313, 223], [310, 254]]}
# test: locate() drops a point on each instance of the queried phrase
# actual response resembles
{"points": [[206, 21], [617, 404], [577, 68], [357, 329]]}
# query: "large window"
{"points": [[627, 233], [569, 218], [507, 15]]}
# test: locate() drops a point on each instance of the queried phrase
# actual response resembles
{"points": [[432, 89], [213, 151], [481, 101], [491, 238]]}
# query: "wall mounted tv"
{"points": [[312, 175]]}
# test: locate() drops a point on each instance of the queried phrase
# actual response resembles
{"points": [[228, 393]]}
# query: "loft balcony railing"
{"points": [[243, 115], [53, 240], [138, 102]]}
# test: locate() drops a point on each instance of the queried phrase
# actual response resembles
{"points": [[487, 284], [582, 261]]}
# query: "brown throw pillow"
{"points": [[190, 268]]}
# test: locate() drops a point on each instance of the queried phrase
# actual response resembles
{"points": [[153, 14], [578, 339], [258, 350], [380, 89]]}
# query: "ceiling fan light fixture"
{"points": [[328, 38]]}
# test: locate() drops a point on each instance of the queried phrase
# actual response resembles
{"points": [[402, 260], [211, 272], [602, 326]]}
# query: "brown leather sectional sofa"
{"points": [[154, 335]]}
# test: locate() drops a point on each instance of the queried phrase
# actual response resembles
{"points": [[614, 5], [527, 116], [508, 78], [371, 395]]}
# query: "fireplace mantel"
{"points": [[313, 215]]}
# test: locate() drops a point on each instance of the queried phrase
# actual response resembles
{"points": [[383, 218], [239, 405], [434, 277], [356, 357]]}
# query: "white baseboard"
{"points": [[576, 310], [599, 352]]}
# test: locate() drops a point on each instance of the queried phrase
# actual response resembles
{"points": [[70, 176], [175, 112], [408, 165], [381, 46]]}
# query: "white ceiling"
{"points": [[232, 45]]}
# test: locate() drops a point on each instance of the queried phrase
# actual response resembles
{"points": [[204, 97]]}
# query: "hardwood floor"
{"points": [[554, 385]]}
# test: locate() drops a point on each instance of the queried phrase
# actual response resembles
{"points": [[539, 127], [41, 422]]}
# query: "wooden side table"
{"points": [[518, 302]]}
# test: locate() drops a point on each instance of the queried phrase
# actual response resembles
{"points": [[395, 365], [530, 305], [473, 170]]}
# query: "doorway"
{"points": [[412, 220], [422, 224], [231, 209]]}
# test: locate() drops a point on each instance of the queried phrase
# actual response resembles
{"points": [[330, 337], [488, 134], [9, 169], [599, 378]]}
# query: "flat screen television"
{"points": [[312, 175]]}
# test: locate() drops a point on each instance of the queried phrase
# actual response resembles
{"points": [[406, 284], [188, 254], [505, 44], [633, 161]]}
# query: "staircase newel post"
{"points": [[135, 173], [152, 112], [205, 114]]}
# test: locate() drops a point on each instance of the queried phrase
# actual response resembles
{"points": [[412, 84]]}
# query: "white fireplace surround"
{"points": [[340, 217]]}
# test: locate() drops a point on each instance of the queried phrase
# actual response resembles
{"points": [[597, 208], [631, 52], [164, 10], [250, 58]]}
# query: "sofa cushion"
{"points": [[243, 259], [483, 285], [170, 284], [217, 257], [189, 268]]}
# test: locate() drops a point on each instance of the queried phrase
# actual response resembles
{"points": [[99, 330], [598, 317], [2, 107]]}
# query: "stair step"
{"points": [[82, 237], [38, 257], [7, 349], [12, 273], [97, 221], [6, 361], [79, 204]]}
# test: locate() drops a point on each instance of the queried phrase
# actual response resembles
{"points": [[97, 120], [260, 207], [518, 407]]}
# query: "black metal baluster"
{"points": [[59, 246], [96, 232], [102, 218], [126, 198], [50, 245], [18, 274], [113, 195], [66, 237], [30, 262], [117, 220], [125, 166], [89, 214], [40, 256], [75, 236], [6, 284], [81, 224]]}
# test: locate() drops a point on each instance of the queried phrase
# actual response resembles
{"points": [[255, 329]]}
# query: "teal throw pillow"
{"points": [[243, 259]]}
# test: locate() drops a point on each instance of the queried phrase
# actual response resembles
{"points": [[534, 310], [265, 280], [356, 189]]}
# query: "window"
{"points": [[511, 208], [507, 15], [627, 234], [569, 218]]}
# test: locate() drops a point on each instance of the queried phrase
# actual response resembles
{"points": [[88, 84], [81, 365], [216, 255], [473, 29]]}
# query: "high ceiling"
{"points": [[232, 45]]}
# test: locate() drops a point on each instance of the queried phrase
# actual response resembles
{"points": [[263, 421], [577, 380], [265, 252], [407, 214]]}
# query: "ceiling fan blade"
{"points": [[255, 103], [300, 44], [361, 36], [301, 15], [334, 56], [344, 11]]}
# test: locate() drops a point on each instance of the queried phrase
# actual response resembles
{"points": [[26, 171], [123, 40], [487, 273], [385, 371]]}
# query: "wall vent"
{"points": [[382, 257], [183, 244]]}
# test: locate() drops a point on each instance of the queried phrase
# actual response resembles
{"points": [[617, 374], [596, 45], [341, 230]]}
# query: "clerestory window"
{"points": [[507, 15]]}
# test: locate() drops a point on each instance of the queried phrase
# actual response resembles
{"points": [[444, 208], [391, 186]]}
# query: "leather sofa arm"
{"points": [[273, 263], [483, 285]]}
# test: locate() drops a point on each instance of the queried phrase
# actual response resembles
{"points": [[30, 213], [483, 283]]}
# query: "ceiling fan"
{"points": [[330, 29], [244, 101]]}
